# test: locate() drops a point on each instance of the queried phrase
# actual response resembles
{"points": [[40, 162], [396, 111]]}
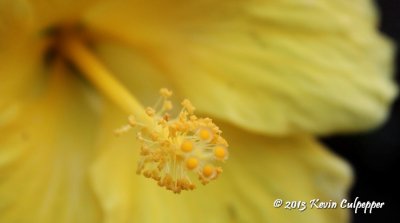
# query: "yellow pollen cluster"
{"points": [[174, 150]]}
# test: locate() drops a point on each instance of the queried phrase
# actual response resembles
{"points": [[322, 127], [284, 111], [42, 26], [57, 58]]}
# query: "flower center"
{"points": [[172, 149]]}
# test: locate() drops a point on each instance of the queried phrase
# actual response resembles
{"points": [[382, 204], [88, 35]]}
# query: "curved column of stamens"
{"points": [[172, 149], [177, 149]]}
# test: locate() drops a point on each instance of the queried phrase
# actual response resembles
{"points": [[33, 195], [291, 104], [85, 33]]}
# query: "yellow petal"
{"points": [[22, 76], [45, 151], [15, 20], [260, 170], [33, 17], [133, 70], [49, 13], [268, 66]]}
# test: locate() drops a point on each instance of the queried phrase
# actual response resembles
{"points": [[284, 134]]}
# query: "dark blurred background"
{"points": [[375, 156]]}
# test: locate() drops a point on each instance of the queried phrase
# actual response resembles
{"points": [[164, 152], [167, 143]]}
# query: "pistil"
{"points": [[90, 67], [172, 149]]}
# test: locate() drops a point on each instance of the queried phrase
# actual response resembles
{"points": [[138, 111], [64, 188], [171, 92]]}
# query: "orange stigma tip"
{"points": [[220, 152], [205, 134], [208, 170], [187, 146], [192, 163]]}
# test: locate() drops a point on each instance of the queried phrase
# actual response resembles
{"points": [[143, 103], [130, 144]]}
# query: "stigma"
{"points": [[174, 151]]}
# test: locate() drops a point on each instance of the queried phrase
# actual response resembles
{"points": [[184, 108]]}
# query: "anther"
{"points": [[173, 147], [165, 93], [188, 106]]}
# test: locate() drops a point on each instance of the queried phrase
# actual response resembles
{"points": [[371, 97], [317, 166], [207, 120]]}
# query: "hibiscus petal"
{"points": [[44, 156], [268, 66], [260, 169], [19, 84], [15, 20], [38, 15], [133, 70]]}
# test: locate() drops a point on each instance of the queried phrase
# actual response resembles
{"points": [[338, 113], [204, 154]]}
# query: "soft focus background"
{"points": [[376, 155]]}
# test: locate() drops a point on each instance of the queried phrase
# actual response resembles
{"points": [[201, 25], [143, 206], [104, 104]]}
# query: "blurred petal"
{"points": [[20, 84], [15, 20], [35, 16], [268, 66], [45, 151], [55, 12], [260, 170], [133, 70]]}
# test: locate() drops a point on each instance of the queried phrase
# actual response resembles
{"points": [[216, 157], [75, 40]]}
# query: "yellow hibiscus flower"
{"points": [[273, 74]]}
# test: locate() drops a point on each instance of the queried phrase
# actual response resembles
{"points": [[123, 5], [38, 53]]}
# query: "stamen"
{"points": [[96, 73], [172, 149], [165, 93], [175, 149]]}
